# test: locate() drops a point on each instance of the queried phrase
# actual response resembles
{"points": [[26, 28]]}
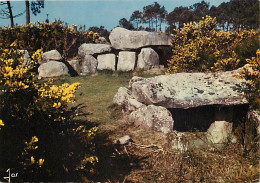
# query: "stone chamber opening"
{"points": [[198, 119]]}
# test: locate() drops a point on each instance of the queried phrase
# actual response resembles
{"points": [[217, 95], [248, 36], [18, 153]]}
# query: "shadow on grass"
{"points": [[114, 162]]}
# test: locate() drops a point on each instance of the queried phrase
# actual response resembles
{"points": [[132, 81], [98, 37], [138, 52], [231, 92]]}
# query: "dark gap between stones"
{"points": [[199, 119]]}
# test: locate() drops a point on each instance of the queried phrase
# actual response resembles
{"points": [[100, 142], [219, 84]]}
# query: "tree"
{"points": [[179, 15], [35, 8], [8, 13], [136, 17], [200, 10], [154, 13], [123, 22], [245, 14], [27, 5]]}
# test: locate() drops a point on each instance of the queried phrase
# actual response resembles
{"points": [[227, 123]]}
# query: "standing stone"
{"points": [[75, 64], [52, 69], [89, 65], [147, 59], [52, 55], [219, 132], [153, 117], [106, 61], [91, 49], [126, 61], [255, 116], [124, 39]]}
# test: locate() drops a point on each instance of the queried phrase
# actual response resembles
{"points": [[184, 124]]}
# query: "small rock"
{"points": [[219, 132], [75, 64], [124, 140], [52, 55], [26, 58]]}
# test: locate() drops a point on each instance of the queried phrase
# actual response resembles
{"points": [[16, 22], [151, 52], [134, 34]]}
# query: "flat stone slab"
{"points": [[124, 39], [187, 90], [91, 49]]}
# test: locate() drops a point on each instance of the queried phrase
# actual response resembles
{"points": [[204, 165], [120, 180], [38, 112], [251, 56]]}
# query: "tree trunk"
{"points": [[27, 4], [10, 13], [156, 24]]}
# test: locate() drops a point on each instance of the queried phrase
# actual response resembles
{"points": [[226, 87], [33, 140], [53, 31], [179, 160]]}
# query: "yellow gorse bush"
{"points": [[38, 111], [251, 71], [47, 36], [199, 47]]}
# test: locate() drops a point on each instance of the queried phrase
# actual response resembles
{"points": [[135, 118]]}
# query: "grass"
{"points": [[150, 158]]}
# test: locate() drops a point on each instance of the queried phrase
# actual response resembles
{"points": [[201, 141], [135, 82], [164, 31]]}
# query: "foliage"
{"points": [[123, 22], [102, 32], [39, 137], [199, 47], [250, 72], [47, 36]]}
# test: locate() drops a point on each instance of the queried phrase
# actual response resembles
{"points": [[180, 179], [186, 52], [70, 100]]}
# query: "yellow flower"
{"points": [[40, 162], [34, 139], [1, 123], [57, 105], [32, 160]]}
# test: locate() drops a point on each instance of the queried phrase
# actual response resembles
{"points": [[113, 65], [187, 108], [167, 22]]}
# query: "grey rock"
{"points": [[123, 98], [126, 61], [186, 90], [147, 59], [106, 62], [52, 55], [101, 40], [26, 58], [89, 65], [75, 64], [153, 117], [52, 69], [124, 140], [91, 49], [255, 116], [124, 39], [219, 132], [186, 141]]}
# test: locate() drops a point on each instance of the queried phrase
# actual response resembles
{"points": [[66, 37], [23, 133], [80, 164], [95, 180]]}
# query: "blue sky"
{"points": [[93, 12]]}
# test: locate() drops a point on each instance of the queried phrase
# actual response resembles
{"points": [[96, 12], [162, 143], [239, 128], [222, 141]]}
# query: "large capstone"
{"points": [[124, 39], [186, 90]]}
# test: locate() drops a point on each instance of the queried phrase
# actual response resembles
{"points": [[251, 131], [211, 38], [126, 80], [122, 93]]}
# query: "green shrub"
{"points": [[39, 138], [47, 36]]}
